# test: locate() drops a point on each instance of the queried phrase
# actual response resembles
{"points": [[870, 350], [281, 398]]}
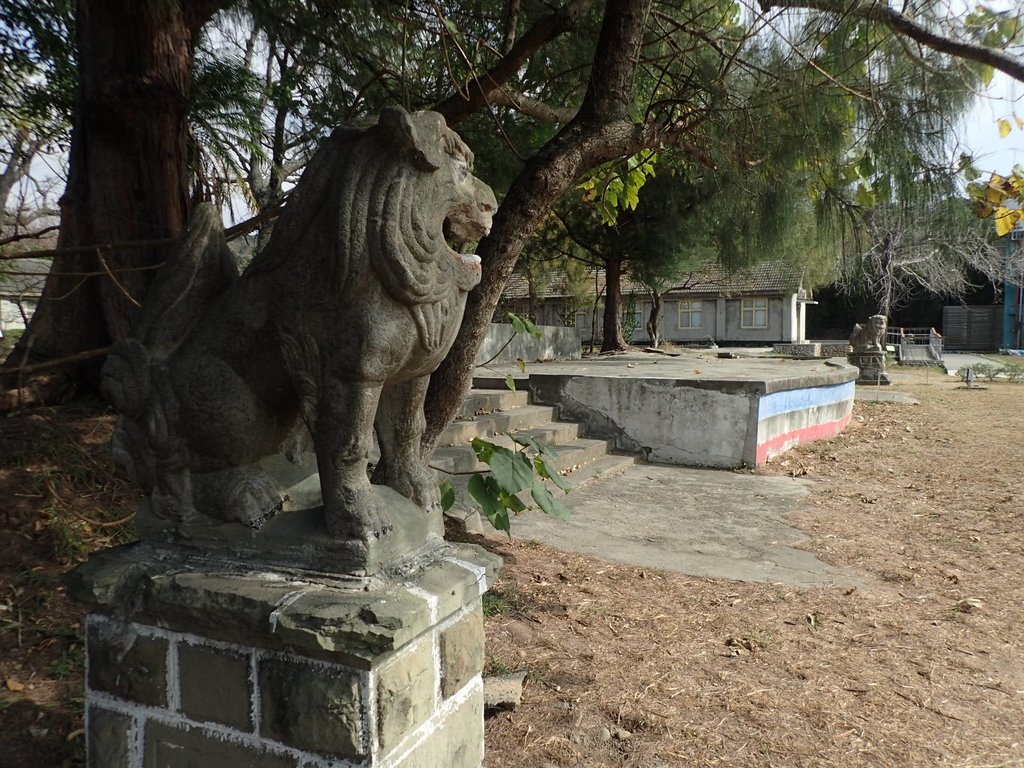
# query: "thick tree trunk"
{"points": [[612, 339], [127, 176], [601, 131]]}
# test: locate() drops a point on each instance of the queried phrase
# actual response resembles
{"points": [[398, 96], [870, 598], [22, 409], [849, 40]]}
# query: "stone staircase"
{"points": [[491, 411]]}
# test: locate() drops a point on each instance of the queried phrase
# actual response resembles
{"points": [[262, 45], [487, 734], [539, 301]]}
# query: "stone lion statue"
{"points": [[236, 388], [869, 337]]}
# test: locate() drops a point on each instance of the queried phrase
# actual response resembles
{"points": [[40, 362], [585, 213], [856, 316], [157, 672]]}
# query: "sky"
{"points": [[980, 133]]}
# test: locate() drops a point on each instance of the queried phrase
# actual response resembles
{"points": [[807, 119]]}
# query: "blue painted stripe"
{"points": [[802, 399]]}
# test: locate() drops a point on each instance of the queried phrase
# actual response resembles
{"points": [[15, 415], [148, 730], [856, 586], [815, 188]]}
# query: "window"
{"points": [[689, 314], [754, 313]]}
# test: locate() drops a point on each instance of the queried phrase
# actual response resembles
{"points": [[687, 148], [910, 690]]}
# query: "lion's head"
{"points": [[395, 193], [430, 208]]}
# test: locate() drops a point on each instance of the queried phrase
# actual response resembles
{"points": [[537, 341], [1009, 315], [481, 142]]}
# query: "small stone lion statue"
{"points": [[869, 337], [235, 388]]}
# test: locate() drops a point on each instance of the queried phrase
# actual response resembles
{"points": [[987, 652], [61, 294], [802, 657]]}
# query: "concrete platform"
{"points": [[696, 409]]}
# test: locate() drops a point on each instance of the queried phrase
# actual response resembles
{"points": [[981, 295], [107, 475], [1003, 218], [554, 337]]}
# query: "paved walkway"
{"points": [[701, 522]]}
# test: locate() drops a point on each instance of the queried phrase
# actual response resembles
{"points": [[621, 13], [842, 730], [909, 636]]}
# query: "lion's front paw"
{"points": [[360, 515]]}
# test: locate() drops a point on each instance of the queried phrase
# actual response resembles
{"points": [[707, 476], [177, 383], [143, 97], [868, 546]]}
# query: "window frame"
{"points": [[693, 307], [752, 306]]}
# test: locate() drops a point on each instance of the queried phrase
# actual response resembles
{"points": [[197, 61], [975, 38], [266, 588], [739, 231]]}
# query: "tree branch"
{"points": [[479, 90], [898, 22], [534, 108]]}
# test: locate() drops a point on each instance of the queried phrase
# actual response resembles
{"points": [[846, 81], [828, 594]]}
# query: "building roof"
{"points": [[23, 278], [768, 277]]}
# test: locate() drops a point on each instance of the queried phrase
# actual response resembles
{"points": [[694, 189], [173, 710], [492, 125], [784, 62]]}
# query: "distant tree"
{"points": [[37, 82], [898, 250]]}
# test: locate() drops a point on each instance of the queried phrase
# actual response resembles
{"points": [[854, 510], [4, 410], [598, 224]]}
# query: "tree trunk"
{"points": [[601, 131], [612, 339], [128, 172], [654, 320], [24, 148]]}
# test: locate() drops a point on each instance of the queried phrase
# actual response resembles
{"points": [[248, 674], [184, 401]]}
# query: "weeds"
{"points": [[69, 663], [497, 602]]}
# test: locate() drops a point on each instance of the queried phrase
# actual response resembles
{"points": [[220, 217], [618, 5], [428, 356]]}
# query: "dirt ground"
{"points": [[922, 665]]}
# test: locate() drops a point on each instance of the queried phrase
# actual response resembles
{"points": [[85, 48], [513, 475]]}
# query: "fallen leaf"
{"points": [[14, 685]]}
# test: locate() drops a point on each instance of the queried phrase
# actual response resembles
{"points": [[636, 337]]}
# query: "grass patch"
{"points": [[497, 602]]}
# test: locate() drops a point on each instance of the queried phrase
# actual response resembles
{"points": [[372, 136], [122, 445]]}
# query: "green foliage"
{"points": [[1006, 371], [37, 66], [226, 114], [523, 325], [614, 188], [70, 662], [499, 493], [498, 601], [512, 472]]}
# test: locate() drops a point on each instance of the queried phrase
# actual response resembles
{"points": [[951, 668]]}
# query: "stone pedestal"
{"points": [[871, 366], [198, 661], [808, 349]]}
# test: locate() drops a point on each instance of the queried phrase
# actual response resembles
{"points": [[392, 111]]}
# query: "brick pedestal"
{"points": [[193, 662]]}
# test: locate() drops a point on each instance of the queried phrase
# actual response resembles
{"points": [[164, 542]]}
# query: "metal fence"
{"points": [[916, 346]]}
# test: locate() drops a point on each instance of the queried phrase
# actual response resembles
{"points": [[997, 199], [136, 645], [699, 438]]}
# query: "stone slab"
{"points": [[338, 618], [456, 742], [190, 747], [462, 652], [215, 685], [127, 663], [299, 538], [405, 693], [109, 736], [314, 707]]}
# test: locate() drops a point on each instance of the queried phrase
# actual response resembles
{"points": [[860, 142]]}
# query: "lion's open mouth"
{"points": [[457, 244]]}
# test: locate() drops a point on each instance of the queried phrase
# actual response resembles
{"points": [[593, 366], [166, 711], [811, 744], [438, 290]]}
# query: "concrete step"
{"points": [[483, 401], [484, 381], [460, 459], [465, 516], [490, 424], [490, 411]]}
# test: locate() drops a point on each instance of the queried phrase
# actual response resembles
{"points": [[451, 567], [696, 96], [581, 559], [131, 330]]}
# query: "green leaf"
{"points": [[865, 196], [548, 472], [532, 329], [486, 493], [528, 442], [483, 449], [510, 382], [512, 503], [447, 495], [511, 469], [548, 503]]}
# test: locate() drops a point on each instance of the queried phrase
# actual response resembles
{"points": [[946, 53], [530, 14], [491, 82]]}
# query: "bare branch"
{"points": [[880, 12], [478, 92], [28, 236]]}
